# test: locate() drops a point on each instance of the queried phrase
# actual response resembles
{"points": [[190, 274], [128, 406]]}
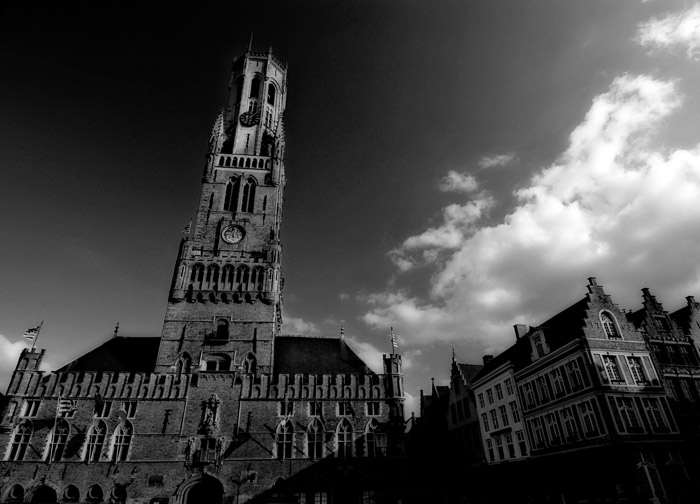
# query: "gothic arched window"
{"points": [[255, 87], [258, 279], [71, 494], [94, 494], [16, 494], [248, 199], [184, 364], [212, 278], [285, 440], [20, 440], [231, 196], [242, 274], [249, 364], [95, 442], [344, 440], [122, 441], [314, 440], [57, 440], [227, 277], [609, 326], [197, 275], [271, 94]]}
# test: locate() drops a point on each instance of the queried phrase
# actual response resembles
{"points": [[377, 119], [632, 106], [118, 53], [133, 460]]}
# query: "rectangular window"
{"points": [[628, 413], [31, 407], [485, 422], [520, 435], [345, 409], [494, 418], [129, 408], [637, 370], [574, 373], [612, 369], [510, 445], [482, 404], [553, 429], [489, 395], [538, 429], [315, 409], [499, 447], [570, 429], [509, 386], [499, 391], [542, 389], [558, 382], [590, 424], [514, 411], [103, 409], [504, 416], [286, 408], [489, 447], [657, 420], [373, 408], [529, 395]]}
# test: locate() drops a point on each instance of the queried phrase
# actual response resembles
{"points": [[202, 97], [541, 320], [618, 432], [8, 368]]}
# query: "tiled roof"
{"points": [[304, 355], [129, 354]]}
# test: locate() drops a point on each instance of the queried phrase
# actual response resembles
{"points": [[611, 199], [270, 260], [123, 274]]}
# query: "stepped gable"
{"points": [[469, 371], [309, 355], [128, 354]]}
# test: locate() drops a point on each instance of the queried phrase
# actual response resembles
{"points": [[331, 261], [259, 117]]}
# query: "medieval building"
{"points": [[221, 408]]}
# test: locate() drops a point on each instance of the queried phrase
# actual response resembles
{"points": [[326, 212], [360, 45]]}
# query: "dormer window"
{"points": [[609, 326]]}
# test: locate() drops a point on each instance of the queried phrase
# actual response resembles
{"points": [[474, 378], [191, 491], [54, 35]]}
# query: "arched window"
{"points": [[222, 329], [242, 273], [344, 440], [95, 442], [314, 440], [118, 494], [94, 494], [248, 199], [227, 277], [16, 494], [371, 439], [184, 364], [197, 275], [609, 326], [249, 364], [271, 94], [20, 441], [285, 440], [255, 87], [71, 494], [231, 196], [212, 278], [258, 279], [122, 441], [57, 440]]}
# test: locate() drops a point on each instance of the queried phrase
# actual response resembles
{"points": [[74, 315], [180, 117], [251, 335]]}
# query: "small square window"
{"points": [[315, 408], [345, 409], [373, 408]]}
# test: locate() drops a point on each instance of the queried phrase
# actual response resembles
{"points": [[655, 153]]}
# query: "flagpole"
{"points": [[37, 335]]}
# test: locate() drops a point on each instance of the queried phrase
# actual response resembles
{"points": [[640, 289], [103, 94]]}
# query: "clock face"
{"points": [[232, 234], [249, 118]]}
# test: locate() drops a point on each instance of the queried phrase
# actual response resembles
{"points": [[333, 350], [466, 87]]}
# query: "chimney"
{"points": [[520, 330], [487, 359]]}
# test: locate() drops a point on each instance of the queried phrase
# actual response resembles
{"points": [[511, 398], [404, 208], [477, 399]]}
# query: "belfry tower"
{"points": [[224, 306]]}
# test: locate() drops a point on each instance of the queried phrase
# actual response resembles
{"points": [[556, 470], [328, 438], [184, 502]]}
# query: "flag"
{"points": [[32, 333], [394, 344], [66, 406]]}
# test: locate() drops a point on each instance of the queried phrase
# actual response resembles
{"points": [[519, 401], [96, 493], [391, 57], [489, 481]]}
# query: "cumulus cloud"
{"points": [[296, 325], [611, 206], [458, 182], [496, 161], [370, 354], [676, 31], [9, 353]]}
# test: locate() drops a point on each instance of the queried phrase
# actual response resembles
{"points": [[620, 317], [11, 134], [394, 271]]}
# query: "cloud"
{"points": [[677, 31], [343, 296], [611, 206], [370, 354], [458, 182], [496, 161], [295, 325], [9, 353]]}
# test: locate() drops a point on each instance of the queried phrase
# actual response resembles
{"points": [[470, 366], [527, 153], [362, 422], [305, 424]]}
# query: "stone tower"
{"points": [[224, 306]]}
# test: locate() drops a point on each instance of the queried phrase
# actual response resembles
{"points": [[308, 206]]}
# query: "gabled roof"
{"points": [[468, 371], [125, 354], [305, 355]]}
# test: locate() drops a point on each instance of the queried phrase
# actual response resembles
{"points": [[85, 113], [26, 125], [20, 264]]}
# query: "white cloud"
{"points": [[458, 182], [411, 405], [296, 325], [370, 354], [677, 31], [9, 353], [496, 161], [611, 206]]}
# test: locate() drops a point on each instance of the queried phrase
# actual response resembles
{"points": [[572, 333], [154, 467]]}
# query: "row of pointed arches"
{"points": [[98, 446], [71, 493], [232, 278], [240, 194], [243, 162], [343, 442], [216, 362]]}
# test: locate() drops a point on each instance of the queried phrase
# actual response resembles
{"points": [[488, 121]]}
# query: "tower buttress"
{"points": [[224, 306]]}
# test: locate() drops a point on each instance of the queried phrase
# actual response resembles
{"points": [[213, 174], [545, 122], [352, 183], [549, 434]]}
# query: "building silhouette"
{"points": [[222, 407]]}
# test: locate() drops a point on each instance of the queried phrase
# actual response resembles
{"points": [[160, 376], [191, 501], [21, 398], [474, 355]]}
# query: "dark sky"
{"points": [[106, 110]]}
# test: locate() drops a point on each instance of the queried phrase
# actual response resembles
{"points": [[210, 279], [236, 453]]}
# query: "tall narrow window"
{"points": [[184, 364], [314, 440], [95, 442], [249, 364], [514, 411], [212, 278], [20, 441], [371, 439], [197, 276], [57, 440], [242, 274], [285, 440], [258, 279], [255, 87], [248, 198], [609, 326], [344, 440], [231, 196], [611, 368], [636, 369], [271, 94], [222, 329], [654, 415], [227, 275], [122, 441], [590, 424]]}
